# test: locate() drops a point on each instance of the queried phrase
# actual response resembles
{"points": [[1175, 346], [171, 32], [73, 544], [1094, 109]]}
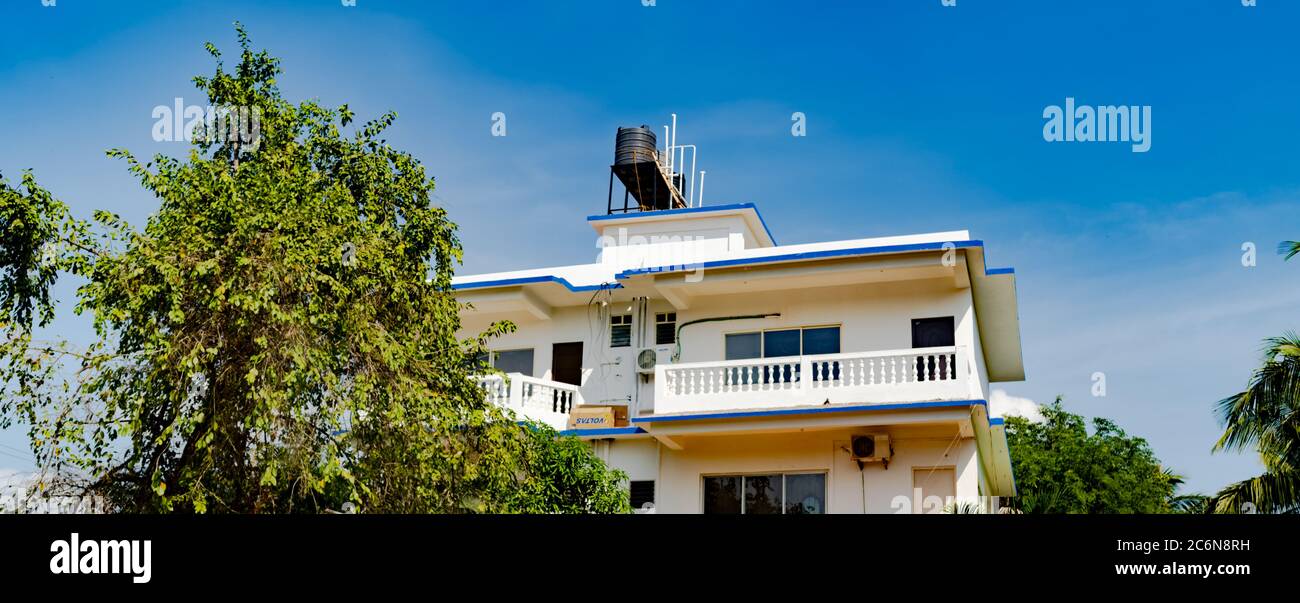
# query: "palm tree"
{"points": [[1266, 416]]}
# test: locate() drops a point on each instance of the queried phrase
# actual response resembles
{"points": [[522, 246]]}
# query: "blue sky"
{"points": [[921, 118]]}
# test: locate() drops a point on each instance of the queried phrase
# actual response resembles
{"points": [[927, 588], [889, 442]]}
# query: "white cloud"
{"points": [[1002, 404]]}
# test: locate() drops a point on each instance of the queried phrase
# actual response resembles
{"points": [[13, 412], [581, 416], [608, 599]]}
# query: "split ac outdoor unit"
{"points": [[648, 358], [870, 448]]}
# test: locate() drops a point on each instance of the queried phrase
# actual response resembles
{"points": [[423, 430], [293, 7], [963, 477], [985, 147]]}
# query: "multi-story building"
{"points": [[837, 377]]}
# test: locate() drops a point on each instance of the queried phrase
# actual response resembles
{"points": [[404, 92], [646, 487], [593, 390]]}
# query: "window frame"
{"points": [[627, 323], [492, 357], [762, 338], [665, 321], [826, 486]]}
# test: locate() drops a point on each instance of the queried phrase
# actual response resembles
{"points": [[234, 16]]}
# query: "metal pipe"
{"points": [[702, 172], [674, 135], [694, 153]]}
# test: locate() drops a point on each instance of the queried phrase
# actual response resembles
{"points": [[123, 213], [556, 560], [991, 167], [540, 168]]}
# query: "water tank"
{"points": [[635, 145]]}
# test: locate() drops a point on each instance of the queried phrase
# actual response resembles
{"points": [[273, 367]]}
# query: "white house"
{"points": [[837, 377]]}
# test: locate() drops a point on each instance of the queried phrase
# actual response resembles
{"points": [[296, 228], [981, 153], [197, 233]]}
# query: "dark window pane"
{"points": [[777, 344], [665, 332], [741, 346], [643, 493], [805, 494], [514, 361], [933, 332], [762, 494], [620, 336], [822, 340], [722, 495]]}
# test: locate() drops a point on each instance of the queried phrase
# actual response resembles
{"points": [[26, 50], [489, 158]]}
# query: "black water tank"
{"points": [[635, 145]]}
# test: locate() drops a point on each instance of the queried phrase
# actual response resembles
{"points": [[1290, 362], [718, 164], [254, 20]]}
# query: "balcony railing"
{"points": [[913, 375], [531, 398]]}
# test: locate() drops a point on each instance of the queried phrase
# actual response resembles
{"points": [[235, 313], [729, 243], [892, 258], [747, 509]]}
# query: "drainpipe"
{"points": [[677, 351]]}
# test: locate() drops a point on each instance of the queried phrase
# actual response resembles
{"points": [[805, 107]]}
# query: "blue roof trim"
{"points": [[601, 432], [994, 421], [528, 280], [691, 210], [810, 411], [771, 259], [807, 255]]}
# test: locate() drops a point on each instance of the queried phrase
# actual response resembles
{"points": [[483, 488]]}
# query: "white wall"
{"points": [[679, 482]]}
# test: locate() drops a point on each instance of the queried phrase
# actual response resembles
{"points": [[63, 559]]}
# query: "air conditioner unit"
{"points": [[648, 358], [870, 448]]}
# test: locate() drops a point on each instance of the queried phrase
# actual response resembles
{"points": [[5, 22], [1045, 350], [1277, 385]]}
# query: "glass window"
{"points": [[777, 344], [805, 494], [722, 495], [642, 494], [741, 346], [763, 494], [665, 328], [514, 361], [821, 340], [794, 493], [620, 331]]}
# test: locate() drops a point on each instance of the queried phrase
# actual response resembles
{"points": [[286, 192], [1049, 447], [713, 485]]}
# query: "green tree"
{"points": [[1266, 416], [280, 337], [1062, 468]]}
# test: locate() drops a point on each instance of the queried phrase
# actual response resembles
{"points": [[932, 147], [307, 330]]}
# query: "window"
{"points": [[805, 341], [665, 328], [777, 344], [742, 346], [774, 494], [620, 331], [514, 361], [643, 493]]}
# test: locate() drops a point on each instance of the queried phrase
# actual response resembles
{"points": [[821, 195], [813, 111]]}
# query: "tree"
{"points": [[1267, 416], [280, 337], [1061, 468]]}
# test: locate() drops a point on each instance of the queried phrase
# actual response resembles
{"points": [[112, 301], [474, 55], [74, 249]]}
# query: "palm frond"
{"points": [[1267, 493], [1266, 413], [1289, 249]]}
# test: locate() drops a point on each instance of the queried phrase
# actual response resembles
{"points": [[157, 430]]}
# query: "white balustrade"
{"points": [[864, 377], [532, 398]]}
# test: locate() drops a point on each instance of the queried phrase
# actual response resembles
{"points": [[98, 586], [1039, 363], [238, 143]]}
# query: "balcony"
{"points": [[893, 376], [531, 398]]}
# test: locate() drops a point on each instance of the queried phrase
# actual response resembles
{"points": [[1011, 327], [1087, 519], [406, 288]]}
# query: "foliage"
{"points": [[280, 337], [1266, 416], [1062, 468]]}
